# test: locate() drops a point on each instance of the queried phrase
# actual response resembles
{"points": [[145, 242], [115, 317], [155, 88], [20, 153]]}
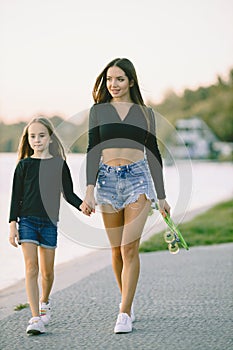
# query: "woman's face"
{"points": [[118, 84]]}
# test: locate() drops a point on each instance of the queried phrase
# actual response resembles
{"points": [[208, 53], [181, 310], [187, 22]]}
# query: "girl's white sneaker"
{"points": [[45, 312], [36, 326]]}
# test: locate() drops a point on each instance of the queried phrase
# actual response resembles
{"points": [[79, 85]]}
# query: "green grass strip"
{"points": [[212, 227]]}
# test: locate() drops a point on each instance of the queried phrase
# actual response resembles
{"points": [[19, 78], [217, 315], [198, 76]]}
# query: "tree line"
{"points": [[214, 104]]}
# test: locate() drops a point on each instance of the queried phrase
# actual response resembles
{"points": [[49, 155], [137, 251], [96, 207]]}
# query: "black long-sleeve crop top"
{"points": [[37, 188], [108, 130]]}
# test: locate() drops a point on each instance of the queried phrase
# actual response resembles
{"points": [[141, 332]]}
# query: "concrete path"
{"points": [[183, 302]]}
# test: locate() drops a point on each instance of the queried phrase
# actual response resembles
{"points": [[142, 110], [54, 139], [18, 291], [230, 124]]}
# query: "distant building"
{"points": [[194, 139]]}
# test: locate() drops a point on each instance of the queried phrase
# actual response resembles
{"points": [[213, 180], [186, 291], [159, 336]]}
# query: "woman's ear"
{"points": [[131, 83]]}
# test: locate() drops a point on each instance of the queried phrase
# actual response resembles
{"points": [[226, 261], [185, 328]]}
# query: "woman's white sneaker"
{"points": [[36, 326], [132, 314], [123, 324]]}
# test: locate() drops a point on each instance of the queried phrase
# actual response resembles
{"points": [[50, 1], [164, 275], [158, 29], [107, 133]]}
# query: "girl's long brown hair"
{"points": [[55, 148]]}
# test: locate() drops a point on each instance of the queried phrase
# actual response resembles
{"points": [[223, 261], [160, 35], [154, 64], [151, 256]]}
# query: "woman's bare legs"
{"points": [[124, 230], [113, 222], [135, 216]]}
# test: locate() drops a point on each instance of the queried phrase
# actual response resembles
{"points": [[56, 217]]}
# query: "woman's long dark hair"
{"points": [[100, 92]]}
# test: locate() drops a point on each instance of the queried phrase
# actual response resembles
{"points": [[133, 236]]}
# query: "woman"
{"points": [[122, 133]]}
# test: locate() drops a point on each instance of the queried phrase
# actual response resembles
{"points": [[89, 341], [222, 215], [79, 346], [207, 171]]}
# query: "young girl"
{"points": [[40, 177], [122, 132]]}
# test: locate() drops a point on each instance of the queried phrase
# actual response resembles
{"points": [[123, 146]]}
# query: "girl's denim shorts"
{"points": [[41, 231], [122, 185]]}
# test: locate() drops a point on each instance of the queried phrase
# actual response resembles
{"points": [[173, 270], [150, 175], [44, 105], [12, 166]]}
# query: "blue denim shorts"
{"points": [[41, 231], [122, 185]]}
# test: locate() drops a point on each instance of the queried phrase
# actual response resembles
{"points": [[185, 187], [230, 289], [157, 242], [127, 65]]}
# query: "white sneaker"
{"points": [[45, 312], [36, 326], [123, 324], [132, 314]]}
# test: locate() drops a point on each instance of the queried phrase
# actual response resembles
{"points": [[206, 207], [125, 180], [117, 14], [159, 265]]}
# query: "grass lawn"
{"points": [[213, 227]]}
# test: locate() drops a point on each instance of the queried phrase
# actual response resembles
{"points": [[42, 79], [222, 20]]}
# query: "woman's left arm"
{"points": [[156, 165], [154, 159]]}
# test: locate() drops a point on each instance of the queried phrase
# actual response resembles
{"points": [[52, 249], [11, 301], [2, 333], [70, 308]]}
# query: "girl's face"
{"points": [[39, 138], [118, 84]]}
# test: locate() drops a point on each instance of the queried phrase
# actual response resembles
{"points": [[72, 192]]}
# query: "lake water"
{"points": [[189, 186]]}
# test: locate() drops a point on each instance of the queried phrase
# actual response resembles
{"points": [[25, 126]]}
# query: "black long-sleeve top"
{"points": [[108, 130], [37, 188]]}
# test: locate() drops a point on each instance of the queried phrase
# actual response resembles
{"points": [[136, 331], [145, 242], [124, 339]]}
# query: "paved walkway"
{"points": [[183, 302]]}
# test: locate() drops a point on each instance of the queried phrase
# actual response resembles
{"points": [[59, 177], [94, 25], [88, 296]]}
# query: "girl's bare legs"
{"points": [[47, 272], [31, 276], [124, 231], [30, 252]]}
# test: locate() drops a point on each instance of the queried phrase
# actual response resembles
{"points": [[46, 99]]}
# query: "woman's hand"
{"points": [[164, 207], [87, 208], [88, 204], [14, 234]]}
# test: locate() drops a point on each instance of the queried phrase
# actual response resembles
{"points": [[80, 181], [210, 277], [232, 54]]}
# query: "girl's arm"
{"points": [[88, 205], [14, 234], [67, 188], [16, 198], [17, 192]]}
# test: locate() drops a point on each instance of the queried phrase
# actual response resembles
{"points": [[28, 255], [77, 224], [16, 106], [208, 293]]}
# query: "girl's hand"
{"points": [[87, 208], [164, 207], [14, 234], [88, 205]]}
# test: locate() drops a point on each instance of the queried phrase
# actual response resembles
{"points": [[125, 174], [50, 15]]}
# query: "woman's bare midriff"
{"points": [[121, 156]]}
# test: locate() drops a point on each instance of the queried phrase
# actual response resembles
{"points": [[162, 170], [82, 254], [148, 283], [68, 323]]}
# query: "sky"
{"points": [[53, 50]]}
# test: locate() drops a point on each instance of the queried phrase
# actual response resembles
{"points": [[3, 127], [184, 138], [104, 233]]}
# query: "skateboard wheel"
{"points": [[169, 237], [173, 248]]}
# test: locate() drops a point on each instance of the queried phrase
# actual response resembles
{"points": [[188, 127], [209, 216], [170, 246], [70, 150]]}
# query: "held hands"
{"points": [[164, 207], [87, 208], [14, 234], [88, 205]]}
